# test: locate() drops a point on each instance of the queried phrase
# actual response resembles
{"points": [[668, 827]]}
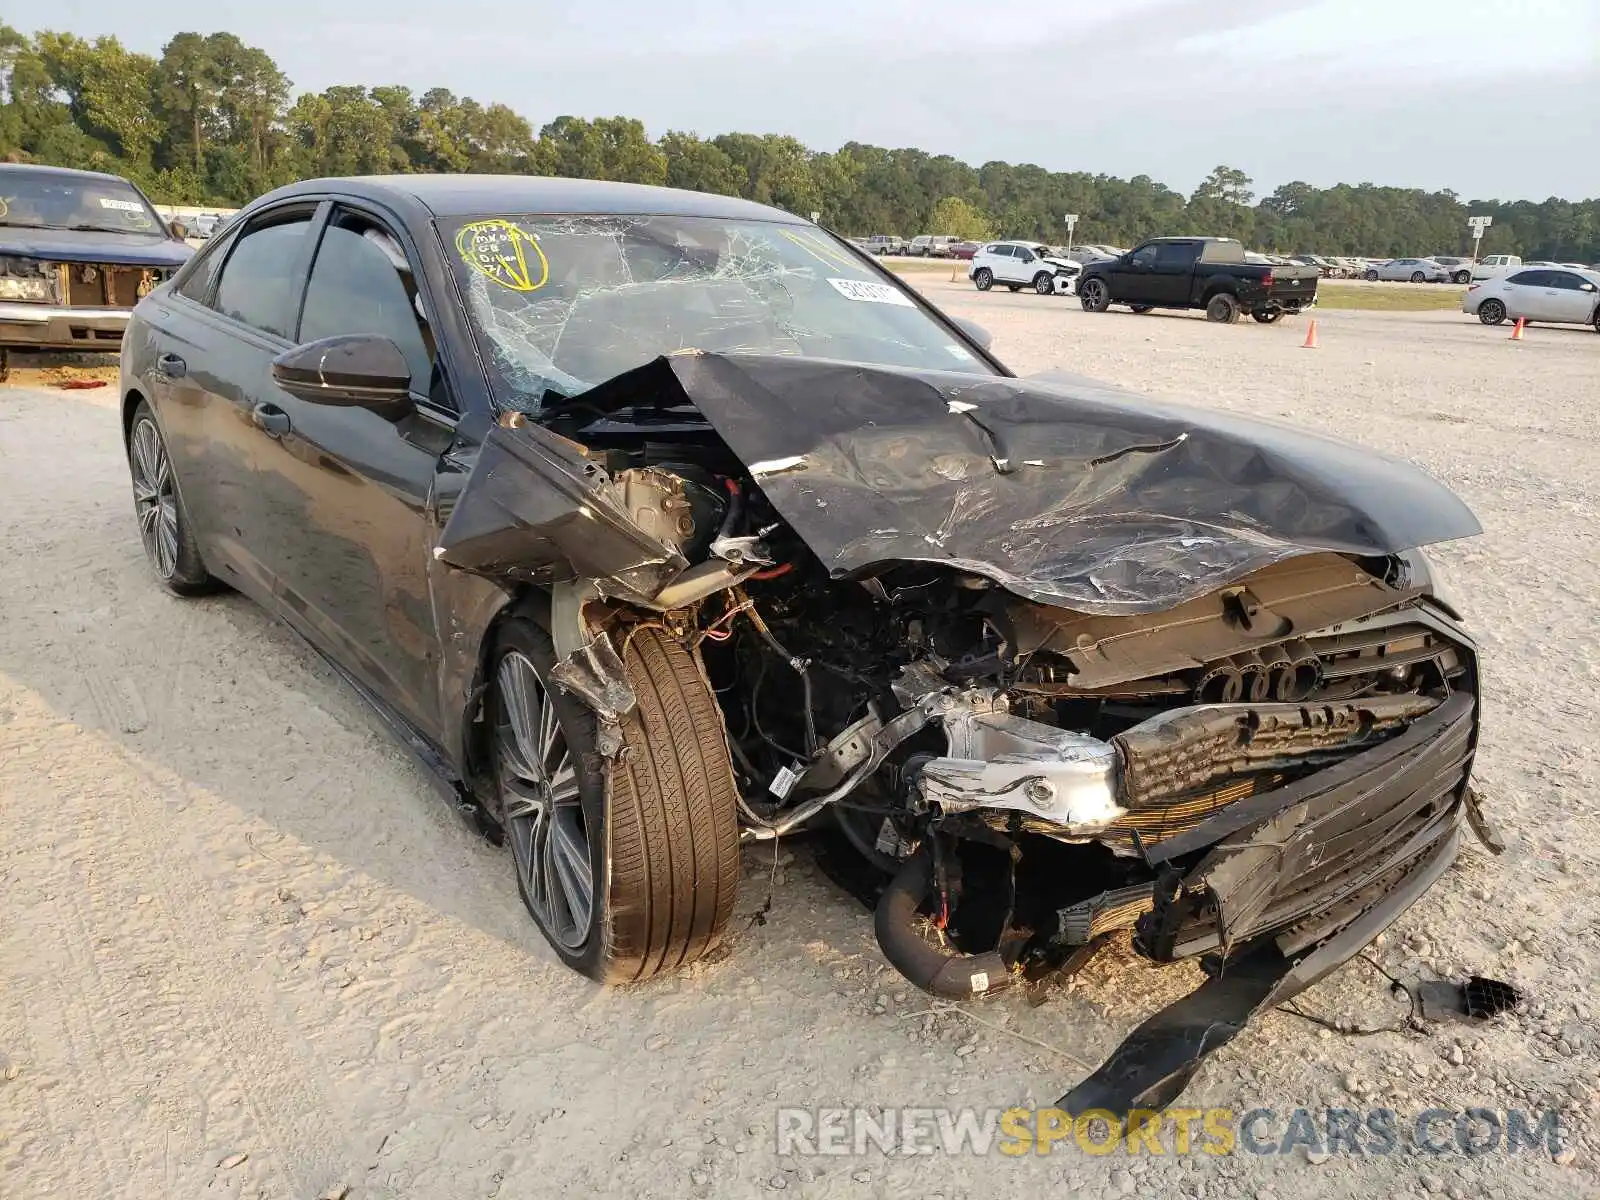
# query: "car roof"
{"points": [[475, 195], [62, 172]]}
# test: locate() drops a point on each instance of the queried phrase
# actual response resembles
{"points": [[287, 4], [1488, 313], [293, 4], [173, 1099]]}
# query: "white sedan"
{"points": [[1537, 294]]}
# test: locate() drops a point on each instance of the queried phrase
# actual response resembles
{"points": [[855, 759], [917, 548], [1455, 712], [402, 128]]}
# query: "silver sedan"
{"points": [[1413, 270], [1537, 294]]}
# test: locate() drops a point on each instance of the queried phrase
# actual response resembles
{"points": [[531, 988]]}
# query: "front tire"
{"points": [[983, 279], [1093, 295], [1491, 312], [629, 864], [164, 527], [1371, 277], [1044, 283], [1141, 309], [1222, 308], [1418, 277], [1462, 277]]}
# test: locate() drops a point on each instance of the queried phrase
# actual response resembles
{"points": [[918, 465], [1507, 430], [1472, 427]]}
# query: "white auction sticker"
{"points": [[122, 205], [871, 292]]}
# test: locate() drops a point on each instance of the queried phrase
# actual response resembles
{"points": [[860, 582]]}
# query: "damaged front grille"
{"points": [[1298, 858], [104, 285]]}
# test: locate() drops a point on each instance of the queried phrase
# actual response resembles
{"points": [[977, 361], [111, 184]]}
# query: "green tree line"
{"points": [[214, 121]]}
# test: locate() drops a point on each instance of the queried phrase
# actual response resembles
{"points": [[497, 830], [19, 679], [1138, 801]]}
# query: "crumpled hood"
{"points": [[1065, 263], [1077, 495], [72, 245]]}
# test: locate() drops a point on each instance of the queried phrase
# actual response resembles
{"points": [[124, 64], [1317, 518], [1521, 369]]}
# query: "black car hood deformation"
{"points": [[1077, 495]]}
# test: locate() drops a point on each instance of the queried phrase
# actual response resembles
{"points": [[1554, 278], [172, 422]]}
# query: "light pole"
{"points": [[1072, 219], [1478, 225]]}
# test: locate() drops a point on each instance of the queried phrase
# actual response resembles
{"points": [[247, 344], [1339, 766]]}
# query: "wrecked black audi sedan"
{"points": [[661, 522]]}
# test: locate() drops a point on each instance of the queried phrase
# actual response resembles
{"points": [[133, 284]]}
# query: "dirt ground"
{"points": [[247, 949]]}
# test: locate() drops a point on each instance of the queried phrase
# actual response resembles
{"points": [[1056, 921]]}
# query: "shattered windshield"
{"points": [[564, 303]]}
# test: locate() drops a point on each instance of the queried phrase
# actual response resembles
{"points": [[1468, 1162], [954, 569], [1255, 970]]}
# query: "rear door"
{"points": [[224, 328], [1002, 261], [348, 491], [1524, 295]]}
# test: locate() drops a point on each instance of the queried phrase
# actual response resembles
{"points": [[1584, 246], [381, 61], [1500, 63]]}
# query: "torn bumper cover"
{"points": [[1296, 880]]}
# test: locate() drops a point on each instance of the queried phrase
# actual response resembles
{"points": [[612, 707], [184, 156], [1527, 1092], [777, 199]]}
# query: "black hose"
{"points": [[942, 970], [730, 519]]}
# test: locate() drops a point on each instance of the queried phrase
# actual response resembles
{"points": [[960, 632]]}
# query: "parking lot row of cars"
{"points": [[1216, 275], [1438, 268]]}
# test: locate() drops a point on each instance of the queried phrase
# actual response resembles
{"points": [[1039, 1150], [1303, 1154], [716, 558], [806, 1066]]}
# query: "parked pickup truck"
{"points": [[1195, 272], [78, 250]]}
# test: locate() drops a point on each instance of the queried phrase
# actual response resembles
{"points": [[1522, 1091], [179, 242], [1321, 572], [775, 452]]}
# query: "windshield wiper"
{"points": [[88, 228]]}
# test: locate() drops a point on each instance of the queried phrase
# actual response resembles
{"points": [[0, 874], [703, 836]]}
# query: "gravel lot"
{"points": [[247, 949]]}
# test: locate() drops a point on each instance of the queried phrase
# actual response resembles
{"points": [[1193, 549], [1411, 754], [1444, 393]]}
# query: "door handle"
{"points": [[172, 365], [271, 419]]}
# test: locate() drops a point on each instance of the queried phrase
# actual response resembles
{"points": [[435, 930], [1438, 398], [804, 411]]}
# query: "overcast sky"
{"points": [[1496, 99]]}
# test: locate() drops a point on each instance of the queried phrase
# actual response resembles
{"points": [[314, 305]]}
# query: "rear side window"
{"points": [[1223, 252], [361, 283], [260, 285], [197, 279], [1529, 278], [1003, 251]]}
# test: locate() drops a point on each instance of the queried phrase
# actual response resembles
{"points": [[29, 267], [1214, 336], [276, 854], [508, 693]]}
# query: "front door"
{"points": [[351, 488], [1572, 297], [1169, 280], [1131, 275]]}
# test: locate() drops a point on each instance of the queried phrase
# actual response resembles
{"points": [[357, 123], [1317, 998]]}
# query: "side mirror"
{"points": [[177, 229], [359, 370], [976, 332]]}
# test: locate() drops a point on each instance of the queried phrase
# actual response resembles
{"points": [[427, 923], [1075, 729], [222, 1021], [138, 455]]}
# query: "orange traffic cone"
{"points": [[1311, 337], [1516, 333]]}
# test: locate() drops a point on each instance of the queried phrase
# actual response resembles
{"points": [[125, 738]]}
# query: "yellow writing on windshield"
{"points": [[824, 251], [505, 253]]}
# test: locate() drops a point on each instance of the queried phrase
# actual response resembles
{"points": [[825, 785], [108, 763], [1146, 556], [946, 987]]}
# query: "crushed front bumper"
{"points": [[1290, 884], [54, 327]]}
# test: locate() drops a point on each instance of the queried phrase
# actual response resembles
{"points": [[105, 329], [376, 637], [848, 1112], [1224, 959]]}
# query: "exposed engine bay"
{"points": [[1085, 730]]}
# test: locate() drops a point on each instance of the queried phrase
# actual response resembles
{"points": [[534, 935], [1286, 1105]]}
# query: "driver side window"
{"points": [[361, 282], [1145, 256]]}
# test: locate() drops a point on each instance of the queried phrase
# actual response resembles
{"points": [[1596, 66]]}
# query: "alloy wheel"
{"points": [[543, 811], [155, 497]]}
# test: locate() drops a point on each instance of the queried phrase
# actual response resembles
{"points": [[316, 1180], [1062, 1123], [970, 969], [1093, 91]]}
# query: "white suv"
{"points": [[1023, 264]]}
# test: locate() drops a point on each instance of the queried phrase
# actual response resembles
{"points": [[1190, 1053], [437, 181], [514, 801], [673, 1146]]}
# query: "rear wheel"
{"points": [[983, 279], [628, 864], [1141, 308], [163, 522], [1044, 283], [1372, 277], [1491, 312], [1013, 287], [1267, 315], [1462, 277], [1093, 295], [1222, 308]]}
